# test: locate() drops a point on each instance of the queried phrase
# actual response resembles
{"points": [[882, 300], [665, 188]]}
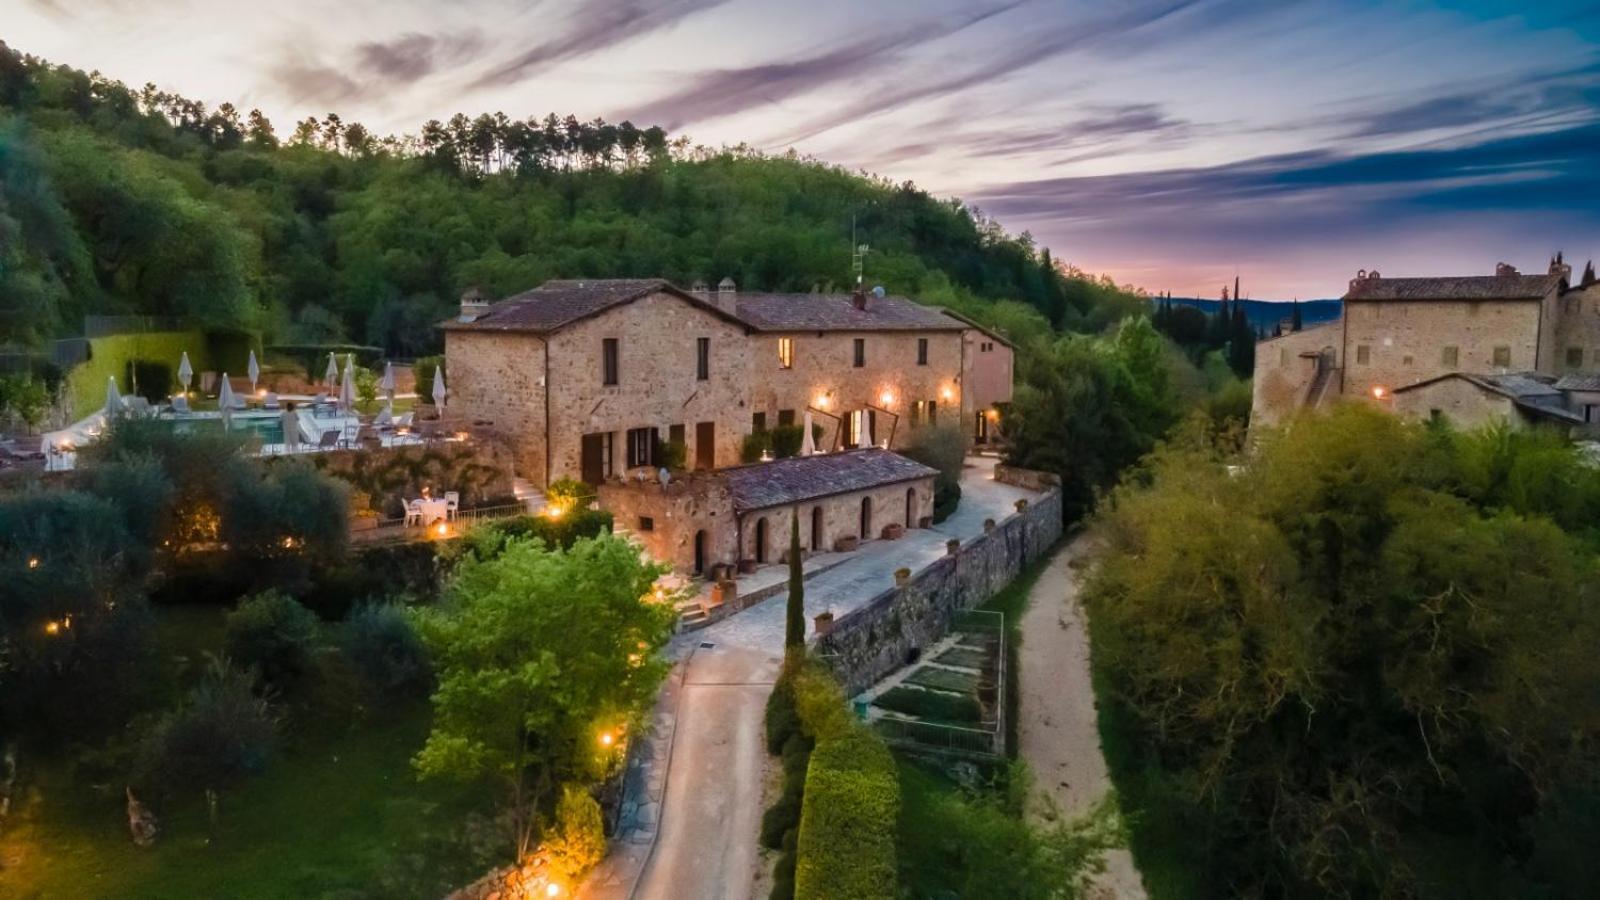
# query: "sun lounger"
{"points": [[329, 440], [270, 401], [180, 405]]}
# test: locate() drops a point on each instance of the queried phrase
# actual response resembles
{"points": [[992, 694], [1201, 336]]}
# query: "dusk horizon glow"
{"points": [[1171, 145]]}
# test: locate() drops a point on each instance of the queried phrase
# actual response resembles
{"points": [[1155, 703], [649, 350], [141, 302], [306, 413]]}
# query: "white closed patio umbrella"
{"points": [[347, 386], [185, 372], [332, 375], [438, 389], [113, 398], [387, 384], [808, 444], [864, 433], [225, 402], [254, 372]]}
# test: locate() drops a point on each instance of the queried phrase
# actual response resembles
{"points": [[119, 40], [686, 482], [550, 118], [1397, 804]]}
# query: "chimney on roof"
{"points": [[858, 299], [1505, 270], [473, 304], [700, 290], [1558, 266], [728, 296]]}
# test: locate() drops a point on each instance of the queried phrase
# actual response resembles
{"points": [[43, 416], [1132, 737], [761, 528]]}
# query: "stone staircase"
{"points": [[691, 615], [528, 495]]}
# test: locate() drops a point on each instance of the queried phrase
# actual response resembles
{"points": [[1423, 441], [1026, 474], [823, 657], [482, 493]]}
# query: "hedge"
{"points": [[848, 820]]}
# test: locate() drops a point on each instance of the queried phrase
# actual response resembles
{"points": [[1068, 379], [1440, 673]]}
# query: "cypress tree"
{"points": [[794, 629], [1294, 316], [1588, 275]]}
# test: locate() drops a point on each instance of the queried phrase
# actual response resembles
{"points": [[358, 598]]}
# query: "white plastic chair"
{"points": [[452, 504], [414, 512]]}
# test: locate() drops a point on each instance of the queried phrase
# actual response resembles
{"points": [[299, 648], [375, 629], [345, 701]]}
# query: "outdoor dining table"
{"points": [[431, 510]]}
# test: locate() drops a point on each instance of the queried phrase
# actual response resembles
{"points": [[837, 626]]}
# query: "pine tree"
{"points": [[1294, 316], [1588, 275], [794, 630]]}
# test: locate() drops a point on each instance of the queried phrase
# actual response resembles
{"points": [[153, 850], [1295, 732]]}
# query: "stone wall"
{"points": [[986, 377], [690, 503], [1405, 341], [1029, 479], [871, 642], [1284, 372], [840, 518], [498, 380], [480, 470], [1577, 313], [824, 375], [1464, 404], [657, 384]]}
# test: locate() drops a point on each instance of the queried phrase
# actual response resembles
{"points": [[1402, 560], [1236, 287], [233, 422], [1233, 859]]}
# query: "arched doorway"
{"points": [[866, 519], [700, 552], [816, 529], [911, 507], [761, 540]]}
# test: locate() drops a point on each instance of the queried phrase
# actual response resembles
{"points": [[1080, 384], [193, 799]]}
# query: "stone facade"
{"points": [[870, 642], [1395, 333], [1464, 403], [499, 379], [986, 373], [823, 376], [666, 521], [834, 518], [657, 385]]}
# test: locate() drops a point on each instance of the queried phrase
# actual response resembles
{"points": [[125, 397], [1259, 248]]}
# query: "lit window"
{"points": [[1502, 357], [785, 353]]}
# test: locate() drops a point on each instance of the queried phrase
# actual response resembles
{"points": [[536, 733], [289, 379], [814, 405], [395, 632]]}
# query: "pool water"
{"points": [[268, 428]]}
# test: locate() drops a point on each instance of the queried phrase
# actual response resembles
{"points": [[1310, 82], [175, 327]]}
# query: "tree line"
{"points": [[122, 200]]}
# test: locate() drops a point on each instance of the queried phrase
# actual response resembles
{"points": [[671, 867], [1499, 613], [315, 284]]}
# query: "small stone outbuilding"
{"points": [[740, 517]]}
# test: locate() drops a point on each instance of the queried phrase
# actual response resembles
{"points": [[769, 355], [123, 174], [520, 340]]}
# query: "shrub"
{"points": [[944, 448], [569, 494], [930, 705], [24, 397], [423, 369], [274, 635], [848, 820], [489, 541], [946, 497], [673, 455], [578, 841], [783, 871], [381, 644], [782, 720], [221, 733], [753, 445], [784, 815]]}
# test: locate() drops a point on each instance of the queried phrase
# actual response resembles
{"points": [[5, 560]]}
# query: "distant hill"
{"points": [[1266, 314]]}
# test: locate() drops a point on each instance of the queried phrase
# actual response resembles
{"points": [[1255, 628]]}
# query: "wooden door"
{"points": [[593, 467], [705, 445]]}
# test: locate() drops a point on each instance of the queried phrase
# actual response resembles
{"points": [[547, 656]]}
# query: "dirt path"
{"points": [[1057, 732]]}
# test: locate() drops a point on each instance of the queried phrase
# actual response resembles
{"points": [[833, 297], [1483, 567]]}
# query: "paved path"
{"points": [[711, 814], [1057, 731], [870, 571], [706, 845]]}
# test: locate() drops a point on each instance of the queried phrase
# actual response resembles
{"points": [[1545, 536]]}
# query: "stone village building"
{"points": [[588, 379], [1510, 347]]}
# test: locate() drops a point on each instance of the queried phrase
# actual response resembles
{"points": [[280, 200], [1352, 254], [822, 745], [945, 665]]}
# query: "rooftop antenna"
{"points": [[858, 252]]}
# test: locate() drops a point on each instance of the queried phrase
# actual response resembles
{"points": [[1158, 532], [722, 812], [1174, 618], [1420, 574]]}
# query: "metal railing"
{"points": [[937, 735], [396, 529]]}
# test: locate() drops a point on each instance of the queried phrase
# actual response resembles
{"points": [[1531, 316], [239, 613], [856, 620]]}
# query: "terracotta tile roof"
{"points": [[556, 304], [837, 312], [1579, 381], [802, 478], [1469, 287]]}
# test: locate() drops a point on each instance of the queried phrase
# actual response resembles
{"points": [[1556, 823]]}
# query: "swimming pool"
{"points": [[266, 426]]}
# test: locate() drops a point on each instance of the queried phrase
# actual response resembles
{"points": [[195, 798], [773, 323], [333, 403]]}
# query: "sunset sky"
{"points": [[1170, 144]]}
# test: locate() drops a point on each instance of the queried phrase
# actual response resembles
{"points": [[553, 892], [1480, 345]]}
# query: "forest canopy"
{"points": [[138, 201]]}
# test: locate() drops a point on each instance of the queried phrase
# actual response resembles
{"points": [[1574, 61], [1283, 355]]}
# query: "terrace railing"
{"points": [[937, 736]]}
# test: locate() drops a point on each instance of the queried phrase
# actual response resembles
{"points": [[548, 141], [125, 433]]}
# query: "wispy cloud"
{"points": [[1034, 47], [304, 79], [725, 92], [594, 26], [412, 57], [1545, 94]]}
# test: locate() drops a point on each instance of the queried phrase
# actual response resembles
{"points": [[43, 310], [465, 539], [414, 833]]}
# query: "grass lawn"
{"points": [[338, 813]]}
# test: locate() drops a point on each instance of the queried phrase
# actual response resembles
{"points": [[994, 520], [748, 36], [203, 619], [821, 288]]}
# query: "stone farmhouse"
{"points": [[591, 380], [1523, 349]]}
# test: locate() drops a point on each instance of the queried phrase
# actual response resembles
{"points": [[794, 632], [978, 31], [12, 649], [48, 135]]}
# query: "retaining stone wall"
{"points": [[874, 640]]}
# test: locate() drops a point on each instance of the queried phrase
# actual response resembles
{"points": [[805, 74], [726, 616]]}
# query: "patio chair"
{"points": [[414, 512], [270, 401], [329, 440], [452, 504], [351, 434], [405, 420], [180, 405]]}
